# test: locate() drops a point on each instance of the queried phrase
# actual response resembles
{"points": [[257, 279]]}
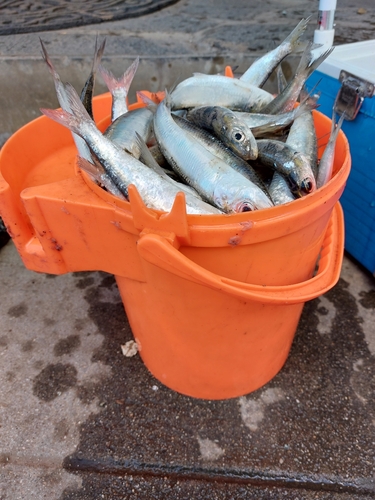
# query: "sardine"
{"points": [[219, 90], [214, 180], [82, 147], [98, 174], [216, 147], [123, 130], [120, 166], [288, 97], [88, 88], [259, 72], [279, 190], [119, 87], [326, 161], [292, 165], [262, 124], [229, 127], [302, 138]]}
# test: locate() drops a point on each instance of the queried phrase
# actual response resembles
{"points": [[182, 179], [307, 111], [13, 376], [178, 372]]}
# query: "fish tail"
{"points": [[59, 86], [317, 62], [98, 55], [308, 101], [305, 61], [73, 119], [281, 80], [63, 117], [75, 104], [294, 37], [48, 61], [124, 82]]}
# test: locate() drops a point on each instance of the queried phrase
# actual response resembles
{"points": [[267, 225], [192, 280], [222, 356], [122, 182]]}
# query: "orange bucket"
{"points": [[213, 301]]}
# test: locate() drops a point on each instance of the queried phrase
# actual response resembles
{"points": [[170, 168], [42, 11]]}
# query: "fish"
{"points": [[263, 124], [218, 90], [121, 167], [259, 72], [288, 97], [210, 176], [291, 164], [82, 147], [229, 127], [98, 174], [326, 161], [88, 89], [123, 130], [302, 137], [119, 87], [279, 190], [216, 147]]}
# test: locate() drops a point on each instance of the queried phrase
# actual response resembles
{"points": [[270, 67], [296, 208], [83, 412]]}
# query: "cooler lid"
{"points": [[356, 58]]}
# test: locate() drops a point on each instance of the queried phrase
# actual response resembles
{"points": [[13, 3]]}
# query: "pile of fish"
{"points": [[225, 142]]}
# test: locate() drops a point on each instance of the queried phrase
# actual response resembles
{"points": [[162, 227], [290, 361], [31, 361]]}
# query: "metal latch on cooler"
{"points": [[351, 94]]}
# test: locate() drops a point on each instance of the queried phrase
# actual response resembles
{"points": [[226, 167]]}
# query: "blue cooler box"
{"points": [[354, 64]]}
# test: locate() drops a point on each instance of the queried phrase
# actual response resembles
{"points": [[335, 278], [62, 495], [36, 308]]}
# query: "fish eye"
{"points": [[238, 136]]}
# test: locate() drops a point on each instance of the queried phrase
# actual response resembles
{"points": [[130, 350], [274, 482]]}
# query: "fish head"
{"points": [[303, 176], [232, 200], [239, 138]]}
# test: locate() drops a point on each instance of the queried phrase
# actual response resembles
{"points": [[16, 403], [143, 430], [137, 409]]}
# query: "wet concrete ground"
{"points": [[79, 420]]}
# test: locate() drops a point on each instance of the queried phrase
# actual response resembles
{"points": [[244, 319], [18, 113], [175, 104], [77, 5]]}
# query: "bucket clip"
{"points": [[351, 95]]}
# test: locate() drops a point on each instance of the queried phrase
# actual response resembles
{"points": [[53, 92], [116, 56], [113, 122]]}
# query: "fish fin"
{"points": [[294, 37], [314, 63], [281, 80], [76, 106], [305, 60], [98, 55], [124, 81], [88, 167], [147, 101], [71, 119], [146, 156], [59, 86], [48, 61], [62, 117]]}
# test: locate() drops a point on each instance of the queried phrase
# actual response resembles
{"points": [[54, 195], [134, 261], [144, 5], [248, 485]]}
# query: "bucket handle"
{"points": [[158, 251]]}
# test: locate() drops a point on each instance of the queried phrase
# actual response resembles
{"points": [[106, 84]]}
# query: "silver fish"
{"points": [[288, 97], [219, 90], [259, 72], [262, 124], [123, 130], [121, 167], [98, 174], [279, 190], [88, 88], [302, 138], [119, 87], [82, 147], [214, 180], [294, 166], [229, 127], [328, 156], [216, 147]]}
